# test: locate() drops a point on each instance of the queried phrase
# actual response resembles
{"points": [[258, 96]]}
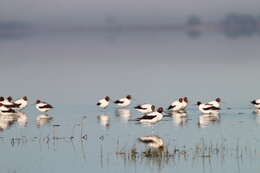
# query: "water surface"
{"points": [[72, 71]]}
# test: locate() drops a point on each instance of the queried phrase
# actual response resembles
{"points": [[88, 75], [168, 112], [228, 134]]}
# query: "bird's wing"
{"points": [[46, 106]]}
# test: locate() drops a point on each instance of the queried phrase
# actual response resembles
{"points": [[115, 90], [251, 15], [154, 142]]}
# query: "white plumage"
{"points": [[43, 106], [145, 108], [5, 110], [176, 105], [215, 103], [123, 102], [256, 103], [153, 117], [103, 103], [21, 103], [207, 108]]}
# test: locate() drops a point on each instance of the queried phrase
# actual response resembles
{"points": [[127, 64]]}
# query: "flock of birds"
{"points": [[152, 115], [10, 110], [9, 106]]}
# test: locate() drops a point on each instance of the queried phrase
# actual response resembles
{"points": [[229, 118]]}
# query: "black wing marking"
{"points": [[211, 108], [46, 106], [12, 106], [147, 117], [140, 107], [118, 102], [9, 111], [170, 107], [146, 140], [254, 102]]}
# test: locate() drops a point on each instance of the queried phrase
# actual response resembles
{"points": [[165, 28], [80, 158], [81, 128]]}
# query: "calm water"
{"points": [[72, 71]]}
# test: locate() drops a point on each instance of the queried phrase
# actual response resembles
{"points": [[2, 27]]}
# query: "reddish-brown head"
{"points": [[25, 98], [218, 99], [185, 99], [129, 97], [198, 103], [180, 99], [38, 101], [2, 99], [107, 98], [9, 98], [160, 110]]}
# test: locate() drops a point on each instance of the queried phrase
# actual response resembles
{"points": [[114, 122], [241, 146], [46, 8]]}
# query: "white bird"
{"points": [[176, 105], [153, 117], [5, 101], [8, 102], [256, 103], [155, 142], [123, 102], [21, 103], [207, 108], [5, 110], [103, 103], [145, 108], [43, 106], [215, 103]]}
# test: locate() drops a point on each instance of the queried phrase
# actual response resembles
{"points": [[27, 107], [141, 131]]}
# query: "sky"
{"points": [[92, 12]]}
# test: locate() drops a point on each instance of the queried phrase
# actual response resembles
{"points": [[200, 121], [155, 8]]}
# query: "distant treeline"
{"points": [[12, 26], [9, 29], [233, 25]]}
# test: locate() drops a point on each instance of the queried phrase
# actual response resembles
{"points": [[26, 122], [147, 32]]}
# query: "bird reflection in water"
{"points": [[43, 119], [22, 119], [257, 115], [205, 119], [104, 120], [6, 121], [180, 118], [124, 115], [153, 142]]}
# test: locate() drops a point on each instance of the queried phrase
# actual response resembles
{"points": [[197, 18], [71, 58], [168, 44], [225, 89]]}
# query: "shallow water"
{"points": [[57, 146], [72, 71]]}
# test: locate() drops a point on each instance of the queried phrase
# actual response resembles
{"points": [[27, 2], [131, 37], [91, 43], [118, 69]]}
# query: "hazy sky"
{"points": [[126, 11]]}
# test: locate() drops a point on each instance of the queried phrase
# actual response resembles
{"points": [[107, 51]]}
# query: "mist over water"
{"points": [[155, 66]]}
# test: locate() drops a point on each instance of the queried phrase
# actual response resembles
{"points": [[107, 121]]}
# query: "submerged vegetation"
{"points": [[200, 151]]}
